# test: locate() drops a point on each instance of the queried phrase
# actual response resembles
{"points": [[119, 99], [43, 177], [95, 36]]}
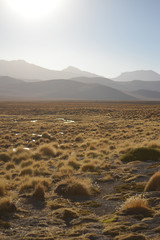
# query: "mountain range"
{"points": [[31, 72], [22, 80]]}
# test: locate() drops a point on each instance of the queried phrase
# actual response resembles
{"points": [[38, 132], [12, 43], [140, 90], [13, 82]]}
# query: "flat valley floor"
{"points": [[79, 170]]}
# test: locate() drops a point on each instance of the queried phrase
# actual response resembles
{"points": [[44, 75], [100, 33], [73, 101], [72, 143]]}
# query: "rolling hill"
{"points": [[59, 89]]}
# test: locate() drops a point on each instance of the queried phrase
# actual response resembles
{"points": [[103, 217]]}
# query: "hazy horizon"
{"points": [[105, 37]]}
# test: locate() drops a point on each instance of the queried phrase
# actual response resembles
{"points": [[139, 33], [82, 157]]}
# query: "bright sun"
{"points": [[35, 9]]}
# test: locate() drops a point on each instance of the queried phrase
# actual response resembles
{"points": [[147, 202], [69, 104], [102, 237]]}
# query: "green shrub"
{"points": [[141, 154]]}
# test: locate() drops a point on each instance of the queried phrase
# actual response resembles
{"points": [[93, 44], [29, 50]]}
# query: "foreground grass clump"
{"points": [[136, 206], [47, 150], [141, 154], [6, 207], [153, 183], [39, 193], [74, 187]]}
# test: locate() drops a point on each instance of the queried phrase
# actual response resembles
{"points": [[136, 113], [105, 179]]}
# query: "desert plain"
{"points": [[79, 170]]}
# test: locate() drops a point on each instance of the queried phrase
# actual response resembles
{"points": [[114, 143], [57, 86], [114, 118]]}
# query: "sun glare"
{"points": [[35, 9]]}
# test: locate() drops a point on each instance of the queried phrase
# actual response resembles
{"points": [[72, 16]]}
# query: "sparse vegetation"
{"points": [[77, 180]]}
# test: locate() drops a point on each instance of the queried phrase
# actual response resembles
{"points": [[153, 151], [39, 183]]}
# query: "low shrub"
{"points": [[141, 154]]}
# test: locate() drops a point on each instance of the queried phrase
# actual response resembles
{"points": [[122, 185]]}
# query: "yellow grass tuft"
{"points": [[136, 206], [47, 150], [153, 183], [74, 187]]}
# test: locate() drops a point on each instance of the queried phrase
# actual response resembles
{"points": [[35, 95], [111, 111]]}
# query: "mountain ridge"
{"points": [[27, 71], [143, 75]]}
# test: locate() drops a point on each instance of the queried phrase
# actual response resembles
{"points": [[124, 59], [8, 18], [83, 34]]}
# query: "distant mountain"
{"points": [[59, 90], [79, 72], [148, 94], [23, 70], [143, 75]]}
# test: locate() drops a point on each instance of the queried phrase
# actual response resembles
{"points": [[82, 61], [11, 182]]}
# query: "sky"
{"points": [[106, 37]]}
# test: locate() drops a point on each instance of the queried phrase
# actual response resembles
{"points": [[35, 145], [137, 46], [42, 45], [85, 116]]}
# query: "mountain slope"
{"points": [[61, 89], [23, 70], [144, 75], [148, 94]]}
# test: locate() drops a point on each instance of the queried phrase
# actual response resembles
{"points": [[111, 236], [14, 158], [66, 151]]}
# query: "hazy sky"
{"points": [[106, 37]]}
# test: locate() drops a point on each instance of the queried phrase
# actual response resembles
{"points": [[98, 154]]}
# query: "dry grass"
{"points": [[39, 193], [153, 183], [136, 206], [74, 187], [89, 167], [6, 207], [47, 150], [9, 166], [29, 183], [79, 154]]}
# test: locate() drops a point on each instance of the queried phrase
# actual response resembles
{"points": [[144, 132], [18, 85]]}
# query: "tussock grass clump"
{"points": [[6, 207], [10, 166], [89, 167], [92, 154], [79, 138], [5, 157], [69, 214], [136, 206], [66, 170], [153, 183], [39, 193], [27, 163], [74, 187], [47, 150], [26, 171], [141, 154], [46, 135], [18, 158], [30, 183], [74, 164]]}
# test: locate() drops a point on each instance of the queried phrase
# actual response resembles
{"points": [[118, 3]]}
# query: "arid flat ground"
{"points": [[63, 174]]}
